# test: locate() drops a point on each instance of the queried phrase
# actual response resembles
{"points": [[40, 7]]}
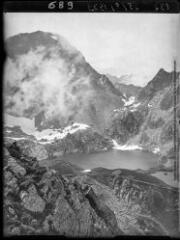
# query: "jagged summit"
{"points": [[161, 80]]}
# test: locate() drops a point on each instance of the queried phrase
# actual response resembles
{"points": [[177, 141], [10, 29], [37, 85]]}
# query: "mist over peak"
{"points": [[45, 74]]}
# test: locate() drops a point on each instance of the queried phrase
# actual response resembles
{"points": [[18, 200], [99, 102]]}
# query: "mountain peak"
{"points": [[24, 42], [162, 71], [44, 73], [160, 81]]}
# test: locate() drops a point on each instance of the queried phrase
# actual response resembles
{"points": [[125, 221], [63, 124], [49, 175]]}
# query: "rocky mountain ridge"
{"points": [[148, 121], [78, 93], [40, 201]]}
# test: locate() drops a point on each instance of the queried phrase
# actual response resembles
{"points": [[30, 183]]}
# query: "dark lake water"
{"points": [[115, 159]]}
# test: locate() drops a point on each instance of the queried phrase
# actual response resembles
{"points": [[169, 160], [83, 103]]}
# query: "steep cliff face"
{"points": [[125, 124], [29, 148], [148, 121], [47, 78], [157, 130], [161, 80]]}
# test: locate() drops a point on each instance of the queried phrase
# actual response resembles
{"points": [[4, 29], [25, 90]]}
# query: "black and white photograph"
{"points": [[91, 135]]}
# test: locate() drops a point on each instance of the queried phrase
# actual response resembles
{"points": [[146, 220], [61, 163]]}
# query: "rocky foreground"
{"points": [[41, 201], [63, 200]]}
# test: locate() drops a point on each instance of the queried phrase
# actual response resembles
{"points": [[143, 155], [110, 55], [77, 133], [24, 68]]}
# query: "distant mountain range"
{"points": [[121, 83]]}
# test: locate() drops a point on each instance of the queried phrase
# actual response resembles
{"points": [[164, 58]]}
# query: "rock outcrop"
{"points": [[143, 205], [86, 141], [148, 121], [40, 201], [81, 141], [28, 148], [125, 124]]}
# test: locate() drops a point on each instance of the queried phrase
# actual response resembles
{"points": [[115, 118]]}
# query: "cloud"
{"points": [[39, 82]]}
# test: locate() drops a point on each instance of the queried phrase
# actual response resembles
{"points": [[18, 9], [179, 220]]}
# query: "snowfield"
{"points": [[149, 105], [44, 136], [125, 147], [17, 138], [156, 150], [129, 101], [133, 108], [86, 170], [130, 105], [50, 134]]}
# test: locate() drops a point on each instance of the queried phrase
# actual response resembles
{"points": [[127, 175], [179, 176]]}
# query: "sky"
{"points": [[114, 43]]}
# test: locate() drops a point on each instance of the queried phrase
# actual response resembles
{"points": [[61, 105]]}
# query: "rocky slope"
{"points": [[148, 121], [48, 79], [161, 80], [87, 141], [43, 201], [40, 201], [143, 205]]}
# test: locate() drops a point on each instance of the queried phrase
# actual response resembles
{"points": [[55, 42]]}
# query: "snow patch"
{"points": [[116, 110], [20, 138], [156, 150], [128, 105], [135, 105], [86, 170], [129, 101], [8, 131], [125, 147], [120, 109], [51, 135], [45, 136]]}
